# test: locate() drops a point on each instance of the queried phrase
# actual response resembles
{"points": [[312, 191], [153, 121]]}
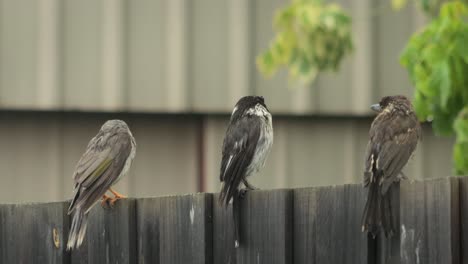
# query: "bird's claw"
{"points": [[112, 201], [117, 195], [249, 186], [109, 202], [105, 203], [242, 193], [402, 176]]}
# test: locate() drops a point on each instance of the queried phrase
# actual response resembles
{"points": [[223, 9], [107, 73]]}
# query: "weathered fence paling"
{"points": [[110, 236], [307, 225], [430, 222], [384, 250], [175, 229], [327, 225], [34, 231]]}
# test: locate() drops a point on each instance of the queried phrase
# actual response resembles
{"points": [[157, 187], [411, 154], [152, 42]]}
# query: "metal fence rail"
{"points": [[307, 225]]}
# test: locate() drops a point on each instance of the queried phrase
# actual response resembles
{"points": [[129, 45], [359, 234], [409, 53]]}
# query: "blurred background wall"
{"points": [[173, 70]]}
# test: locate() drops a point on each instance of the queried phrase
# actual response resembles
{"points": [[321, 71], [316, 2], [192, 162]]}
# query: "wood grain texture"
{"points": [[176, 229], [464, 219], [308, 225], [327, 219], [34, 233], [110, 236], [387, 250], [429, 219], [266, 230], [223, 233]]}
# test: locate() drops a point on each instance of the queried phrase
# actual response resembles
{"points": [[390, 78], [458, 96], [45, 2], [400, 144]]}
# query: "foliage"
{"points": [[311, 37], [437, 62], [461, 145], [430, 7]]}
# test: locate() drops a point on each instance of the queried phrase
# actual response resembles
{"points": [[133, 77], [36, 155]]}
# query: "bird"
{"points": [[246, 145], [393, 137], [106, 160]]}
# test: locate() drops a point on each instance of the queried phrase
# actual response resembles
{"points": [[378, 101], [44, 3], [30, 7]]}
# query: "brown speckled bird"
{"points": [[393, 137]]}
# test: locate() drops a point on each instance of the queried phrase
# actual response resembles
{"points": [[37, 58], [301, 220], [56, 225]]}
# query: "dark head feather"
{"points": [[246, 103], [250, 101], [398, 103]]}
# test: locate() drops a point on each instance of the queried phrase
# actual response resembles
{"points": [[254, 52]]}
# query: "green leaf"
{"points": [[442, 123], [266, 64], [398, 4], [461, 43], [310, 37], [461, 125], [421, 107], [460, 152], [460, 157], [437, 62], [442, 81]]}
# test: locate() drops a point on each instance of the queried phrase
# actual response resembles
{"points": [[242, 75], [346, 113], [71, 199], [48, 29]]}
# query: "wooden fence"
{"points": [[308, 225]]}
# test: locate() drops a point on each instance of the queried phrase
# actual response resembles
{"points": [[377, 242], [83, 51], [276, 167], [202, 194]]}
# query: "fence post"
{"points": [[387, 250], [266, 227], [464, 219], [327, 225], [175, 229], [110, 235], [429, 219], [34, 232], [223, 233]]}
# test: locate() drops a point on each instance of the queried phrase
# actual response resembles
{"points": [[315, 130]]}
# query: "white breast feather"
{"points": [[265, 139], [128, 162]]}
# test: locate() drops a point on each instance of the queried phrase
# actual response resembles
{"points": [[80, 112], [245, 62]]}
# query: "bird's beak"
{"points": [[376, 107]]}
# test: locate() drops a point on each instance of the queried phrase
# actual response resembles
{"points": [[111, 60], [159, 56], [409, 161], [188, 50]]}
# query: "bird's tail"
{"points": [[377, 212], [236, 215], [225, 196], [77, 230], [229, 190]]}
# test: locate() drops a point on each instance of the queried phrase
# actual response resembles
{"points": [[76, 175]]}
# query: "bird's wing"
{"points": [[93, 162], [99, 168], [238, 150], [239, 144], [391, 145], [368, 164], [394, 155]]}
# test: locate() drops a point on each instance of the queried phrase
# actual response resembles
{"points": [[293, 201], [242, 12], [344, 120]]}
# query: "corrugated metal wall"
{"points": [[40, 150], [195, 59], [181, 55]]}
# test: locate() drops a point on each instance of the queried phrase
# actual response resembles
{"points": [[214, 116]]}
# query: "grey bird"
{"points": [[107, 158], [247, 142]]}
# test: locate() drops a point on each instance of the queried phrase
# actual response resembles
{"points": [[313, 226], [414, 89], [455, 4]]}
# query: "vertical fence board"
{"points": [[388, 249], [223, 233], [176, 229], [110, 236], [464, 220], [309, 225], [429, 217], [260, 213], [34, 233], [327, 219]]}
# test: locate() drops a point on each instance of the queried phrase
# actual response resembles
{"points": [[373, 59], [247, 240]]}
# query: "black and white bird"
{"points": [[246, 145]]}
